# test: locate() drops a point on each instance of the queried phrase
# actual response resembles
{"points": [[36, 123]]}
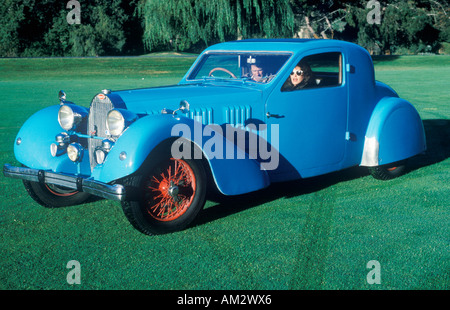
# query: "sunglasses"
{"points": [[298, 72]]}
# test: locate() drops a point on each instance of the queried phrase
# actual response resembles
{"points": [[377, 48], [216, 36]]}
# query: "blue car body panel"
{"points": [[36, 136], [394, 121], [232, 177], [357, 121]]}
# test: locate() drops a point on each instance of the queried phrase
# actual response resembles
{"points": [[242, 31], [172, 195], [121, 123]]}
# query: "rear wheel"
{"points": [[389, 171], [54, 196], [167, 197]]}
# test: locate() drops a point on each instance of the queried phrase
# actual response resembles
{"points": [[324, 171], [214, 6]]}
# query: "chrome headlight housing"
{"points": [[69, 116], [118, 120], [115, 122]]}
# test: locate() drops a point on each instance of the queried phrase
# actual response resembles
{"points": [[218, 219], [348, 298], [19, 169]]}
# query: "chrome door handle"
{"points": [[269, 115]]}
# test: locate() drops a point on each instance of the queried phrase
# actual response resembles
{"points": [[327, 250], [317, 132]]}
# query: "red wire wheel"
{"points": [[166, 195], [170, 193], [53, 196], [389, 171], [60, 191], [392, 168]]}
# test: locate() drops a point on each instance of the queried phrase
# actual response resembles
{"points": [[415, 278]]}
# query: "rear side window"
{"points": [[318, 70]]}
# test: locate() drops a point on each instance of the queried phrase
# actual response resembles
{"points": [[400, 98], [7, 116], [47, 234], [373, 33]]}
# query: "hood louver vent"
{"points": [[237, 115], [203, 115]]}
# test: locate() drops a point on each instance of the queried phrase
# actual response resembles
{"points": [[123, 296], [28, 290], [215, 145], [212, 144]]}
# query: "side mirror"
{"points": [[184, 106]]}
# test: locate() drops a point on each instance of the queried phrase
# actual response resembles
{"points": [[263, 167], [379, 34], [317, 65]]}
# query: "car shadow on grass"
{"points": [[437, 132], [229, 205]]}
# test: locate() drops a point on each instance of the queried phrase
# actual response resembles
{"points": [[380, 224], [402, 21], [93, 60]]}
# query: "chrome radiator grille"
{"points": [[100, 106]]}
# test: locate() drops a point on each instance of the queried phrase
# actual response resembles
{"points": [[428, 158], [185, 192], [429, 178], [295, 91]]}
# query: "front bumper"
{"points": [[100, 189]]}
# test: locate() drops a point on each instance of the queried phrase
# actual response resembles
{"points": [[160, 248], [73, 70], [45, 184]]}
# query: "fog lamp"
{"points": [[75, 152], [54, 149], [100, 156]]}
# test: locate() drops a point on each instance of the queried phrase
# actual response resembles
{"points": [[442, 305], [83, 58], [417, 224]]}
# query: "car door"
{"points": [[311, 120]]}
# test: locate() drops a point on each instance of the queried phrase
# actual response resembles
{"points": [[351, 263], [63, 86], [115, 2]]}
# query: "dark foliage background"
{"points": [[114, 27]]}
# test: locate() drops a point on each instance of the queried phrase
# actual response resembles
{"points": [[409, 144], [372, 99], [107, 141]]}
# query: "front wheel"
{"points": [[167, 196], [54, 196], [389, 171]]}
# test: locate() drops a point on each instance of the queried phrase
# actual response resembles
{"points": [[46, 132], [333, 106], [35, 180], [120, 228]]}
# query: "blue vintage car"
{"points": [[246, 114]]}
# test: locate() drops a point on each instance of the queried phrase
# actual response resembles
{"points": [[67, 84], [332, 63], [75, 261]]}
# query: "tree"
{"points": [[11, 15], [319, 19], [440, 12], [405, 26], [181, 24], [113, 27], [40, 28], [99, 33]]}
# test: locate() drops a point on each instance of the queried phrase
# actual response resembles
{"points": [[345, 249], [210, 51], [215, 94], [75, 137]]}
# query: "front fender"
{"points": [[36, 135], [395, 132], [232, 176]]}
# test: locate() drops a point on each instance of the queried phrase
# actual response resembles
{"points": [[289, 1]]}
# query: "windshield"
{"points": [[256, 67]]}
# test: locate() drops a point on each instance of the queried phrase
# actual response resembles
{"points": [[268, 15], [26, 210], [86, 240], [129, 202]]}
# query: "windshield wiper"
{"points": [[213, 78], [219, 79]]}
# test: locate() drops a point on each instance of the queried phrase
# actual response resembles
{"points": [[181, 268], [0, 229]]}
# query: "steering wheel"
{"points": [[224, 70]]}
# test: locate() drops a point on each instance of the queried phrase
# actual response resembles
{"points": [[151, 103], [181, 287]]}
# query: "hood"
{"points": [[199, 96]]}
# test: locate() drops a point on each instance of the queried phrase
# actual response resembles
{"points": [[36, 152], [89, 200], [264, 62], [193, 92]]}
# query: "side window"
{"points": [[319, 70]]}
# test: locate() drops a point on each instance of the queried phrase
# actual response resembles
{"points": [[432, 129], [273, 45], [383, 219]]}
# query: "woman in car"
{"points": [[301, 77]]}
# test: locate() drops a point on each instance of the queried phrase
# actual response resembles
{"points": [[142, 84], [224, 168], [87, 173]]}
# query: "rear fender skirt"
{"points": [[395, 132]]}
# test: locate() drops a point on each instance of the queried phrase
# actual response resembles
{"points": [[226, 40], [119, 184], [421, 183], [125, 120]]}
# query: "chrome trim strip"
{"points": [[370, 152], [104, 190]]}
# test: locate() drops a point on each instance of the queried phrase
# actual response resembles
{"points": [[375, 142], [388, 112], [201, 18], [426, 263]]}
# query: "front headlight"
{"points": [[118, 119], [115, 122], [66, 117], [69, 116]]}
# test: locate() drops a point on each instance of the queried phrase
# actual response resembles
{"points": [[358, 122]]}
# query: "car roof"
{"points": [[281, 45]]}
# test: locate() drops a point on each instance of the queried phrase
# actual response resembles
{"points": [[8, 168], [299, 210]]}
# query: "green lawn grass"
{"points": [[317, 233]]}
